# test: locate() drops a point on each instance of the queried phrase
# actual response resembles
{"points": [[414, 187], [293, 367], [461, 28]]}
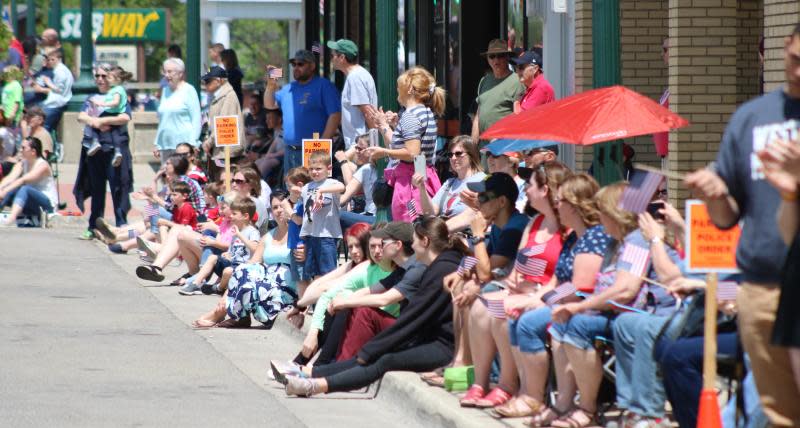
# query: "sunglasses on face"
{"points": [[456, 154], [238, 181], [100, 76], [495, 56]]}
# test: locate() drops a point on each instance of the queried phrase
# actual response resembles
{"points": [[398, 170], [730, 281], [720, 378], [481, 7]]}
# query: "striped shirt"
{"points": [[196, 196], [417, 123]]}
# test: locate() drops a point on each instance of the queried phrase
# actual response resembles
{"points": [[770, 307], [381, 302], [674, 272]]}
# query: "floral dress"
{"points": [[263, 289]]}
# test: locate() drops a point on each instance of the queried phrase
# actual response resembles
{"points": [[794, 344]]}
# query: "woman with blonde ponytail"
{"points": [[412, 132]]}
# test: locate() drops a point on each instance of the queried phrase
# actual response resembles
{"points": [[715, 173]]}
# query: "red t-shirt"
{"points": [[540, 92], [548, 252], [185, 215]]}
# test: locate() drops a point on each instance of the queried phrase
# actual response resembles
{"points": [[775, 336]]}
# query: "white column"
{"points": [[203, 44], [221, 32]]}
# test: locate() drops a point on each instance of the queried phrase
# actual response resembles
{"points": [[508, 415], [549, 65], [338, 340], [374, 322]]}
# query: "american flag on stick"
{"points": [[412, 209], [640, 191], [528, 264], [316, 47], [636, 258], [150, 209], [726, 290], [495, 307], [558, 293], [467, 264]]}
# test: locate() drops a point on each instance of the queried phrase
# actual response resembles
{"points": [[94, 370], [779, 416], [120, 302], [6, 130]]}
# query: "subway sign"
{"points": [[117, 25]]}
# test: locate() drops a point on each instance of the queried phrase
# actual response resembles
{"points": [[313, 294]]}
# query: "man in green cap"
{"points": [[359, 96]]}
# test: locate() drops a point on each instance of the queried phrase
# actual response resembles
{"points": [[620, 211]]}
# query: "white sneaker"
{"points": [[117, 161], [92, 150]]}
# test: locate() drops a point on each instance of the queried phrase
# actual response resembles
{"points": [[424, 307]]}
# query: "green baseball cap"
{"points": [[345, 46]]}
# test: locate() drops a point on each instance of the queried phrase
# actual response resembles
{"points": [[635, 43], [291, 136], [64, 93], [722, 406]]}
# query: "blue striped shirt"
{"points": [[417, 123]]}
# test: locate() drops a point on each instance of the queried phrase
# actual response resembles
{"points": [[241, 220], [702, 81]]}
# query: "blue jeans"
{"points": [[348, 218], [638, 387], [292, 158], [30, 199], [529, 331], [581, 330], [52, 115], [321, 256]]}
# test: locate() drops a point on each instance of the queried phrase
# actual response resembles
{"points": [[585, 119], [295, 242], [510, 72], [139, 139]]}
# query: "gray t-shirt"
{"points": [[366, 176], [410, 281], [448, 198], [321, 221], [359, 89], [238, 251], [761, 252]]}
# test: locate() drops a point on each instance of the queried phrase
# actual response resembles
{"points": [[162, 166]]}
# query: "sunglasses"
{"points": [[494, 56], [100, 76], [456, 154], [238, 181], [485, 197]]}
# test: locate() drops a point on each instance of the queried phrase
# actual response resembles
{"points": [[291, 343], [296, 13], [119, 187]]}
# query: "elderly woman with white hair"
{"points": [[178, 111]]}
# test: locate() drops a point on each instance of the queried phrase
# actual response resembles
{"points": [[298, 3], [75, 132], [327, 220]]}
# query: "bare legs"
{"points": [[565, 377], [588, 371], [216, 315]]}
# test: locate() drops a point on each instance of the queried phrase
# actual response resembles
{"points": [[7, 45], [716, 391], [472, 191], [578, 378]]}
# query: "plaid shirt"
{"points": [[196, 197]]}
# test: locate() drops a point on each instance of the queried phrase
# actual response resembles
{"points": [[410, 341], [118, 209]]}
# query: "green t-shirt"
{"points": [[359, 279], [496, 98], [12, 94], [123, 99]]}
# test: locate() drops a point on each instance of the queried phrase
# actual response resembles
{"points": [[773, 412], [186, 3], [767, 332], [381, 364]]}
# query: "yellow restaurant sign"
{"points": [[117, 25]]}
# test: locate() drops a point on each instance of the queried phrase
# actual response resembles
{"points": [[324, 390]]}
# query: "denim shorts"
{"points": [[296, 268], [581, 330], [223, 263], [529, 331], [321, 255]]}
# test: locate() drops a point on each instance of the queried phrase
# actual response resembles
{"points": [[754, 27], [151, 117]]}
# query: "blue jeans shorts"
{"points": [[321, 254], [223, 263], [529, 331], [581, 330]]}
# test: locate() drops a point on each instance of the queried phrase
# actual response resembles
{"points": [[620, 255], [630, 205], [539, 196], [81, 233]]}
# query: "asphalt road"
{"points": [[83, 343]]}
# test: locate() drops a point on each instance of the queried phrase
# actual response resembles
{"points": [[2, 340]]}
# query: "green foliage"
{"points": [[258, 43]]}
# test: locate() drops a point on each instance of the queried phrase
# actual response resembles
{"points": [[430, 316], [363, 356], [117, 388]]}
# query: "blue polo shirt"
{"points": [[306, 108]]}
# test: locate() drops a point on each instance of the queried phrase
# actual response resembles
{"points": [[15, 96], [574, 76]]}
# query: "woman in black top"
{"points": [[231, 63], [420, 340]]}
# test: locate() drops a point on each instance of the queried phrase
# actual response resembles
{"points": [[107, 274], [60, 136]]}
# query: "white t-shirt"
{"points": [[448, 198], [358, 90], [324, 221], [238, 251]]}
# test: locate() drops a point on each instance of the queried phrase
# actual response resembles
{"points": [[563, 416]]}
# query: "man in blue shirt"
{"points": [[309, 104]]}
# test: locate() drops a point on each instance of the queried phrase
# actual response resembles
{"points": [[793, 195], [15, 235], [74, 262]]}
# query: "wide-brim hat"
{"points": [[497, 46]]}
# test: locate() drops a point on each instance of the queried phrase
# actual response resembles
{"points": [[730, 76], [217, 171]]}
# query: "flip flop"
{"points": [[150, 273], [201, 324], [105, 230], [181, 280]]}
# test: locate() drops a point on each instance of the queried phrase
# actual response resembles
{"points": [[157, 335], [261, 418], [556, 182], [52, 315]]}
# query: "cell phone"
{"points": [[420, 165], [654, 208]]}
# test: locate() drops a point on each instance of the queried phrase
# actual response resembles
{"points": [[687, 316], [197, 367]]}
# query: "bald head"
{"points": [[50, 38]]}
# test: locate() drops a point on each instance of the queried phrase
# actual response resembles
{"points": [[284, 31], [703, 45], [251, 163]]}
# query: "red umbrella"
{"points": [[591, 117]]}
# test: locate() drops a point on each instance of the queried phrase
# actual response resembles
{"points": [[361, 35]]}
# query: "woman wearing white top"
{"points": [[178, 112], [30, 185]]}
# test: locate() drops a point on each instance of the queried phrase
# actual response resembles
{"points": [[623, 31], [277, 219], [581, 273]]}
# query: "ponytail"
{"points": [[437, 101]]}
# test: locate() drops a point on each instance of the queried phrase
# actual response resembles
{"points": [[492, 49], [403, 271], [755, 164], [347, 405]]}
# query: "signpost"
{"points": [[316, 144], [118, 25], [226, 134], [712, 251]]}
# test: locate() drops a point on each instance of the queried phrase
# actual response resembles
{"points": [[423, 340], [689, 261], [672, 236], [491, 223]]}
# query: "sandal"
{"points": [[150, 273], [232, 323], [577, 418], [181, 280], [513, 409], [545, 417], [494, 398], [436, 381], [474, 393]]}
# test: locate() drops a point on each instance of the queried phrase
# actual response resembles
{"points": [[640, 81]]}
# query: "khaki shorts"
{"points": [[772, 369]]}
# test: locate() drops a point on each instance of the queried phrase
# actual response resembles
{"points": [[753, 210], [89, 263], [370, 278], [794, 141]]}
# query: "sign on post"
{"points": [[226, 134], [709, 249], [312, 145], [117, 25]]}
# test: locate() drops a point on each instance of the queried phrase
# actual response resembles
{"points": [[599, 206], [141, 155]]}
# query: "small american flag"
{"points": [[528, 264], [558, 293], [412, 209], [150, 209], [637, 259], [132, 233], [495, 307], [467, 264], [726, 290], [639, 193], [316, 47]]}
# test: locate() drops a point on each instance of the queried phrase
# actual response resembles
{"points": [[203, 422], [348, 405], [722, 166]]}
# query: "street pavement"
{"points": [[86, 344]]}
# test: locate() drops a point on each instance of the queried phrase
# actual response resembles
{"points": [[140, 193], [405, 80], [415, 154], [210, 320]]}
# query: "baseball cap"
{"points": [[401, 231], [498, 184], [303, 56], [214, 73], [345, 46], [529, 57]]}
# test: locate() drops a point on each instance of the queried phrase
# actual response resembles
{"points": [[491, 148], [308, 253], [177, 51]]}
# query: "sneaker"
{"points": [[190, 288], [208, 289], [92, 149], [299, 386], [145, 247], [105, 229], [88, 235], [117, 160], [117, 249]]}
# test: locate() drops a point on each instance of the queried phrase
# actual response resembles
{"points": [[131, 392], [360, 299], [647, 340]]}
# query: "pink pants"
{"points": [[404, 191]]}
